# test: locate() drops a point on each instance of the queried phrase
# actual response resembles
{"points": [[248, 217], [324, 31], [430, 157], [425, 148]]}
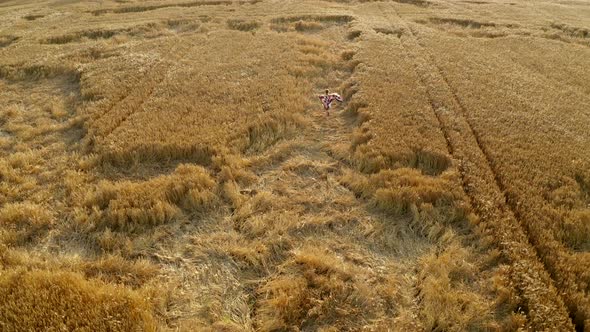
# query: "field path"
{"points": [[321, 214], [296, 206]]}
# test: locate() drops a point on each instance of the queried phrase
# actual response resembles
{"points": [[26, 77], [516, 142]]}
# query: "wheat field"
{"points": [[167, 165]]}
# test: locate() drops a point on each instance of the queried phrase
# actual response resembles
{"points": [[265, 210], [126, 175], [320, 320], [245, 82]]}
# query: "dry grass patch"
{"points": [[138, 9], [316, 289], [7, 40], [37, 72], [418, 3], [308, 23], [91, 34], [398, 190], [117, 270], [572, 31], [353, 35], [243, 25], [447, 303], [464, 23], [268, 130], [433, 205], [33, 17], [135, 206], [37, 300], [398, 32], [149, 30], [23, 222], [185, 25]]}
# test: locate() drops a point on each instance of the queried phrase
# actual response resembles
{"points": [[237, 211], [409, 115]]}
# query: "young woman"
{"points": [[327, 100]]}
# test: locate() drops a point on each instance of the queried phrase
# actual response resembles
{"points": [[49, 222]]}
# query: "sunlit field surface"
{"points": [[167, 165]]}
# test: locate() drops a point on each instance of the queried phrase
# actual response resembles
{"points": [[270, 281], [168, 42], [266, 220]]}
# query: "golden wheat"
{"points": [[33, 300], [168, 166]]}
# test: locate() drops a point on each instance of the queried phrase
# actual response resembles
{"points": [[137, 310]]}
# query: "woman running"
{"points": [[327, 100]]}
